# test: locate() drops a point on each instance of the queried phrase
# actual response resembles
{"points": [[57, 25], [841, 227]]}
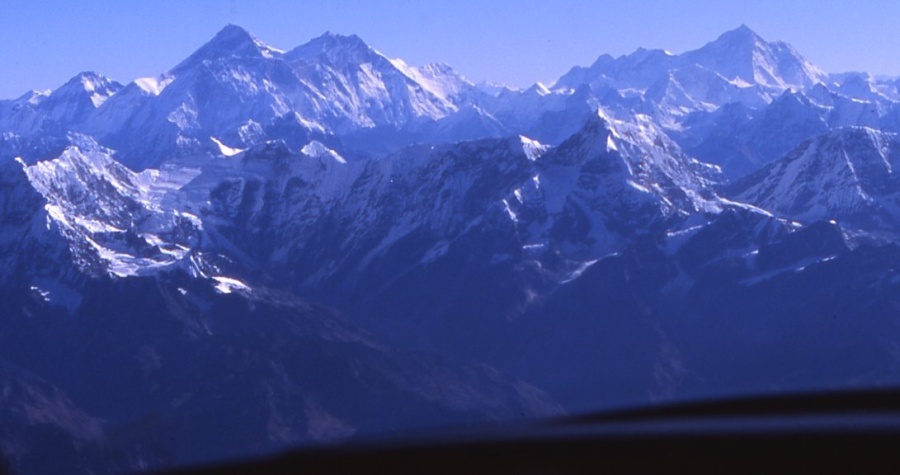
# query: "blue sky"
{"points": [[43, 43]]}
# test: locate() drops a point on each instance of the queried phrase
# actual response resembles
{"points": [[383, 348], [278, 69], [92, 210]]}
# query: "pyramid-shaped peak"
{"points": [[232, 30], [739, 41], [828, 156], [741, 33], [231, 41], [743, 54], [89, 76], [89, 80], [855, 164], [89, 84], [233, 37]]}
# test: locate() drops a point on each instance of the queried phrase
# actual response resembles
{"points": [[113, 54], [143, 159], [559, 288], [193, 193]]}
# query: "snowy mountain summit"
{"points": [[846, 174], [741, 55], [265, 247], [341, 126]]}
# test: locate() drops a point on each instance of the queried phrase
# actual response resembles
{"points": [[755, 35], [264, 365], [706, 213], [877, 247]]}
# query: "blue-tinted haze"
{"points": [[515, 42]]}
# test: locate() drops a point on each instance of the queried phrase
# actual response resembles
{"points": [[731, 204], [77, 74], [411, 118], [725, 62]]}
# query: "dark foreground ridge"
{"points": [[836, 431]]}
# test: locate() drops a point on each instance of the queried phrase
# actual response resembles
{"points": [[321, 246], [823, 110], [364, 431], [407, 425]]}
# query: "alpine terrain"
{"points": [[265, 248]]}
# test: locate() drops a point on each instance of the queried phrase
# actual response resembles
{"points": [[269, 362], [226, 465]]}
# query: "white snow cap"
{"points": [[318, 149]]}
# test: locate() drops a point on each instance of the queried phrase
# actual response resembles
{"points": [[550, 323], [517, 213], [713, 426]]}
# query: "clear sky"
{"points": [[517, 42]]}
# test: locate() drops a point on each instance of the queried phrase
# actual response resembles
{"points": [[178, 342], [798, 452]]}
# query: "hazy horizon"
{"points": [[510, 42]]}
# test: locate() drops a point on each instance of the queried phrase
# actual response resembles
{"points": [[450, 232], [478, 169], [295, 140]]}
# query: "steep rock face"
{"points": [[231, 88], [607, 183], [112, 218], [442, 81], [367, 89], [503, 220], [845, 175], [315, 217], [199, 343]]}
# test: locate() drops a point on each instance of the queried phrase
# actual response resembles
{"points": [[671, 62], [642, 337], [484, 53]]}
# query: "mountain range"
{"points": [[261, 248]]}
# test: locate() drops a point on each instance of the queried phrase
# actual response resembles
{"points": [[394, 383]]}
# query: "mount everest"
{"points": [[261, 247]]}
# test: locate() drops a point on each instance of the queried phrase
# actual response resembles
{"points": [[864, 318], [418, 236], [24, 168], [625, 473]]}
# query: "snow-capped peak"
{"points": [[231, 41], [33, 97], [741, 54], [538, 88], [154, 85], [855, 165], [438, 79], [638, 153], [318, 150], [739, 66], [359, 87], [96, 87], [335, 47], [88, 81], [111, 217], [533, 149]]}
